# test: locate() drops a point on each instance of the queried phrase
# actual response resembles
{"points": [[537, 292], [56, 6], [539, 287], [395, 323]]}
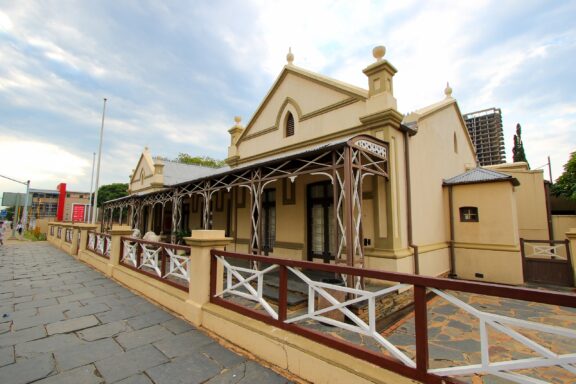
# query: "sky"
{"points": [[175, 73]]}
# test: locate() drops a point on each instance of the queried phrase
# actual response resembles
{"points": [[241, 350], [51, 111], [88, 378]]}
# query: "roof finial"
{"points": [[378, 52], [290, 56], [448, 90]]}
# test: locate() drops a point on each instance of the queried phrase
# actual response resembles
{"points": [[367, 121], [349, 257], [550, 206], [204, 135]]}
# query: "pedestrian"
{"points": [[1, 233], [19, 229]]}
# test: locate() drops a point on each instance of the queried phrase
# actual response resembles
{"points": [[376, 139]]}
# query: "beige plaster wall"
{"points": [[531, 202], [306, 97], [434, 158], [498, 223], [562, 224], [503, 267]]}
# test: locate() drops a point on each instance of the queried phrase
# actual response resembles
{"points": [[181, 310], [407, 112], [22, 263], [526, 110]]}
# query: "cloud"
{"points": [[44, 164], [176, 74]]}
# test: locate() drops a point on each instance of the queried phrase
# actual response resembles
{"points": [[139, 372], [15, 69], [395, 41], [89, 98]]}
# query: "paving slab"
{"points": [[104, 331], [130, 363], [72, 325], [183, 344], [48, 344], [87, 353], [6, 356], [84, 375], [62, 322], [28, 370], [134, 339], [191, 369]]}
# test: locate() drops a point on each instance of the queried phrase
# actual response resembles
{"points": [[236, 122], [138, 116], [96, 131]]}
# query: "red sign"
{"points": [[78, 212]]}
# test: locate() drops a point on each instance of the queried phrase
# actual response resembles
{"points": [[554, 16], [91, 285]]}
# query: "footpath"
{"points": [[63, 322]]}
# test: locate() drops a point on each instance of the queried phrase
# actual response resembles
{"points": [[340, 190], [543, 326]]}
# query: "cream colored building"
{"points": [[329, 172]]}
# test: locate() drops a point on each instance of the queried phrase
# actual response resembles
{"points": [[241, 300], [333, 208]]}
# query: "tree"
{"points": [[565, 185], [518, 153], [111, 192], [204, 161]]}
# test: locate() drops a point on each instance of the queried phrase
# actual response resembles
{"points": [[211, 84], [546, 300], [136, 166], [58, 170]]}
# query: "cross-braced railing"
{"points": [[68, 235], [167, 262], [99, 243], [543, 249], [265, 295]]}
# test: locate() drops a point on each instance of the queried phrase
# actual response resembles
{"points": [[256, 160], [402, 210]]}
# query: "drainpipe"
{"points": [[548, 211], [410, 130], [452, 253]]}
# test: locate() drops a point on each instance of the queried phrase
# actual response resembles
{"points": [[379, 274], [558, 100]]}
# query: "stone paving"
{"points": [[454, 335], [63, 322]]}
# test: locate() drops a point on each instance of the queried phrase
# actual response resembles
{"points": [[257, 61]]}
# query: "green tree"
{"points": [[205, 161], [566, 184], [518, 153], [111, 192]]}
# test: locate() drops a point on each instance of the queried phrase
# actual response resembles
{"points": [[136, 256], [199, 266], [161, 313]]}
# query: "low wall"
{"points": [[298, 355]]}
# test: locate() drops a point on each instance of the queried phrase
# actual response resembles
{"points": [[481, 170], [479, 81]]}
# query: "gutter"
{"points": [[410, 130]]}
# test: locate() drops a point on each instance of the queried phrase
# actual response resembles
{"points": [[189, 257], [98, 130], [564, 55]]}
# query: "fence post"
{"points": [[115, 234], [75, 243], [201, 242], [571, 236]]}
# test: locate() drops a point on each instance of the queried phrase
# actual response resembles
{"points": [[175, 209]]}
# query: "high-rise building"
{"points": [[485, 129]]}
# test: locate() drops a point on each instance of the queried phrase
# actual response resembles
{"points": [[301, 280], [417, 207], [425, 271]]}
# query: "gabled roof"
{"points": [[348, 89], [480, 175]]}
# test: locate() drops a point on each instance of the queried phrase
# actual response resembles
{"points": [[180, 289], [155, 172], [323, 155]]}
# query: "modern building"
{"points": [[329, 172], [44, 205], [485, 129]]}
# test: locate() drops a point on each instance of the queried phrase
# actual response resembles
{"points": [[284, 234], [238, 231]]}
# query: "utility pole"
{"points": [[95, 208], [550, 170], [91, 186]]}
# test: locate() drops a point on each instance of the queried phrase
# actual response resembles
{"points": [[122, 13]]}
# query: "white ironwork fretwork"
{"points": [[150, 258], [243, 281], [179, 265], [546, 251], [504, 324], [129, 254], [374, 148]]}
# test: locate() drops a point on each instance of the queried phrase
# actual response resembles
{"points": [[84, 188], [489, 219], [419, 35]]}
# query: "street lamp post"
{"points": [[25, 213], [95, 208], [91, 186]]}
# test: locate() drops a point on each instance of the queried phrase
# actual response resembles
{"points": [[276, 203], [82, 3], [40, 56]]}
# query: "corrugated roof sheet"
{"points": [[176, 173], [480, 175]]}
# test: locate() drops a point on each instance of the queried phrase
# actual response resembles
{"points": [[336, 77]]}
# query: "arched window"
{"points": [[142, 177], [289, 125], [455, 143]]}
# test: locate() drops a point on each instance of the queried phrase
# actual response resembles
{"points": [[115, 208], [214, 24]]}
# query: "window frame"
{"points": [[469, 214]]}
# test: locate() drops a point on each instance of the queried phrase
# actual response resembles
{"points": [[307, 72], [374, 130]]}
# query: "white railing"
{"points": [[315, 288], [509, 326], [68, 235], [157, 257], [100, 243], [543, 251], [249, 284]]}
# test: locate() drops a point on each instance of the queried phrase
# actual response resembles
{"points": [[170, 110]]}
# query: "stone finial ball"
{"points": [[379, 52], [237, 119]]}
